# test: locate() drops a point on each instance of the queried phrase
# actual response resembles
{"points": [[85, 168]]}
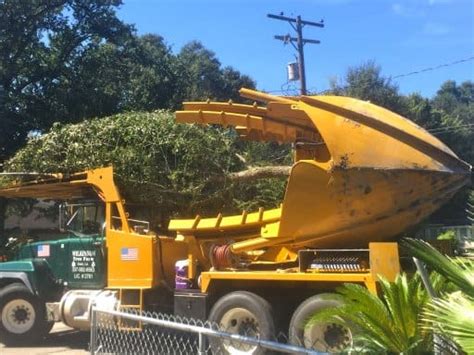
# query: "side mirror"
{"points": [[104, 227]]}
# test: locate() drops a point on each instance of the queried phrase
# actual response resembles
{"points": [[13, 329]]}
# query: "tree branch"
{"points": [[264, 172]]}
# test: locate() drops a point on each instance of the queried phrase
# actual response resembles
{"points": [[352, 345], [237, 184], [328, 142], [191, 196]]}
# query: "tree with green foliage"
{"points": [[367, 83], [39, 40], [162, 167], [205, 79], [455, 104], [139, 74], [453, 107], [421, 111], [69, 60]]}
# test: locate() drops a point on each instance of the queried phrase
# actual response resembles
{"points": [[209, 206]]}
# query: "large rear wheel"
{"points": [[242, 313], [322, 336], [22, 316]]}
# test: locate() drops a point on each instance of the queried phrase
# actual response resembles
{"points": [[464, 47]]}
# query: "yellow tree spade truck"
{"points": [[362, 175]]}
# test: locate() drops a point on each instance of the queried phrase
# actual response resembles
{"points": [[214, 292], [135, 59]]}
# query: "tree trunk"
{"points": [[264, 172]]}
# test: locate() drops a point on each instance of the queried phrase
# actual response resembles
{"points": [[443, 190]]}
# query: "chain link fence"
{"points": [[132, 332]]}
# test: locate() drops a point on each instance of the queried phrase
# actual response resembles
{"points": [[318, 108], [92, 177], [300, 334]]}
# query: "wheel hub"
{"points": [[21, 314], [249, 328], [329, 337], [18, 316], [243, 322], [336, 336]]}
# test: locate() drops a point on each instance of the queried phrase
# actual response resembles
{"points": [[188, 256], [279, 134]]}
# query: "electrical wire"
{"points": [[459, 61], [434, 131], [436, 67], [452, 127], [440, 133], [452, 131]]}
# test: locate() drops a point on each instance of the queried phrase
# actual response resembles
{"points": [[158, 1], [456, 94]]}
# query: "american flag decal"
{"points": [[43, 251], [129, 254]]}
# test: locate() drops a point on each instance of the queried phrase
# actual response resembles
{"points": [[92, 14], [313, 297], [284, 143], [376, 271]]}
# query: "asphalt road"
{"points": [[61, 340]]}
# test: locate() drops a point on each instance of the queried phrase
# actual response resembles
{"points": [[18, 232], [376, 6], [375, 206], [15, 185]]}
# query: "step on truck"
{"points": [[362, 175]]}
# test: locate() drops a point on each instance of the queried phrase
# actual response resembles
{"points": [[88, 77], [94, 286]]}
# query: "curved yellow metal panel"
{"points": [[361, 134], [364, 173], [354, 207]]}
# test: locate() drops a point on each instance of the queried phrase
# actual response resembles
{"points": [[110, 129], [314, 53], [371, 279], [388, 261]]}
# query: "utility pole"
{"points": [[298, 24]]}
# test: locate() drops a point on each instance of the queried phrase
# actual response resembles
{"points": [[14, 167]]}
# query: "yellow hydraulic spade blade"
{"points": [[362, 173]]}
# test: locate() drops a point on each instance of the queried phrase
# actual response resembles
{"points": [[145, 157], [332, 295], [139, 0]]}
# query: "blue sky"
{"points": [[401, 36]]}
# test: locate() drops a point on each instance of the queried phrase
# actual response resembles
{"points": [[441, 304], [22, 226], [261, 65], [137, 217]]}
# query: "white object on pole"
{"points": [[293, 71]]}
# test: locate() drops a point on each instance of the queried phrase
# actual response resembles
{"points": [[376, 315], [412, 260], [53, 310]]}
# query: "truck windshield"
{"points": [[82, 219]]}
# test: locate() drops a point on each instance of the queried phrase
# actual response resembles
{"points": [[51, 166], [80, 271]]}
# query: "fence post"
{"points": [[202, 344], [93, 340], [425, 278]]}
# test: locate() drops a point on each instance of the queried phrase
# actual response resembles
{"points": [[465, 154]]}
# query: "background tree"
{"points": [[67, 60], [366, 82], [38, 41], [139, 74], [453, 105], [421, 111], [206, 79]]}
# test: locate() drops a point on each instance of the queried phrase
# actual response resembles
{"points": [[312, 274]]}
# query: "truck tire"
{"points": [[323, 336], [22, 316], [242, 313]]}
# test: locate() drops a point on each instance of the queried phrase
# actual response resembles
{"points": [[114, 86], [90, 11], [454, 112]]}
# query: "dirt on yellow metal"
{"points": [[362, 173]]}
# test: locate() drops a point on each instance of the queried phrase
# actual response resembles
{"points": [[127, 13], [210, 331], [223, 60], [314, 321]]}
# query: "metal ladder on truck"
{"points": [[131, 301]]}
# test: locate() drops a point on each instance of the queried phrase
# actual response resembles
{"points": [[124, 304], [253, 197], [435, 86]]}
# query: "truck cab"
{"points": [[56, 277]]}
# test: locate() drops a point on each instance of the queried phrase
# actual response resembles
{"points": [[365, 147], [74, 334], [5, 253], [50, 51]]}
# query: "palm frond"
{"points": [[456, 270], [389, 325], [364, 299], [399, 300], [453, 317]]}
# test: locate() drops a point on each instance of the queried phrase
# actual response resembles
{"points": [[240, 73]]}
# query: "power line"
{"points": [[451, 127], [459, 61], [433, 68], [454, 131]]}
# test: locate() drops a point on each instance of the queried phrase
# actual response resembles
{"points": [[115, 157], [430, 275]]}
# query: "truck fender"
{"points": [[17, 276]]}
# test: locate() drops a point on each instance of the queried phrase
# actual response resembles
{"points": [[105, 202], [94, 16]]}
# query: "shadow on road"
{"points": [[62, 340], [72, 339]]}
